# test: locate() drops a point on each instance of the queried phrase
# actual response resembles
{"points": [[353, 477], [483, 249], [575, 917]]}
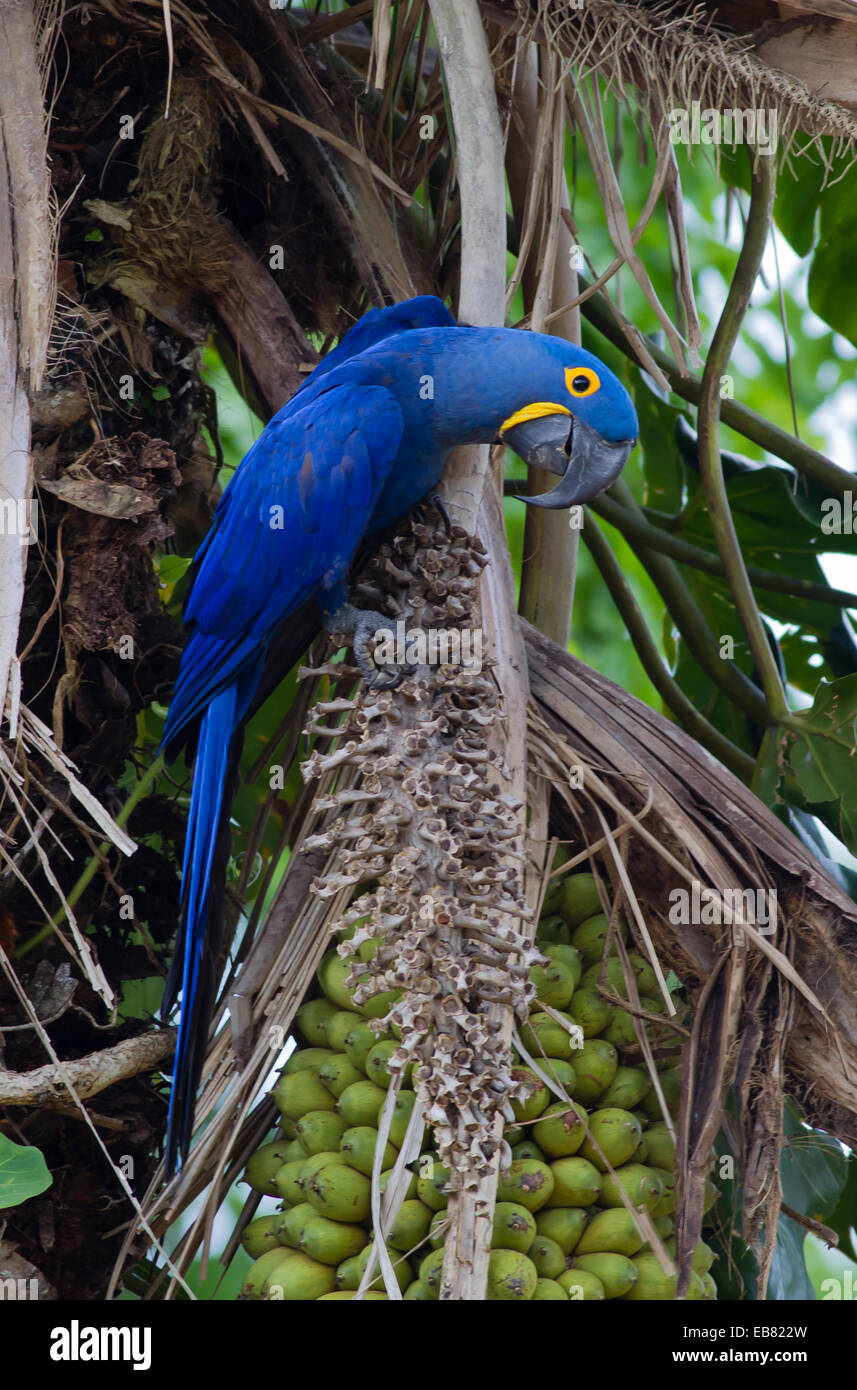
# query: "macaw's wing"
{"points": [[287, 527]]}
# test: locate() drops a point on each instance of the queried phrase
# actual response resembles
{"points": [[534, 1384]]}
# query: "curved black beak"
{"points": [[562, 444]]}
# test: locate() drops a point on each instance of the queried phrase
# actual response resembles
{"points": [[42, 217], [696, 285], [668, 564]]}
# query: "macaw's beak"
{"points": [[563, 444]]}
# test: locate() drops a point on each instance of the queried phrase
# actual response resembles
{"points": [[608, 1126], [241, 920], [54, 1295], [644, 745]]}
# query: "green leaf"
{"points": [[172, 568], [23, 1172], [822, 753], [160, 393], [833, 260], [662, 469], [813, 1173], [843, 1219], [141, 998]]}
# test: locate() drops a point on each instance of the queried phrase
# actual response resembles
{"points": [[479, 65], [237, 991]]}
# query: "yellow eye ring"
{"points": [[581, 381]]}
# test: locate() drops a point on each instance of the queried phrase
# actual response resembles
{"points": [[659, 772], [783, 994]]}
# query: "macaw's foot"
{"points": [[438, 503], [363, 626]]}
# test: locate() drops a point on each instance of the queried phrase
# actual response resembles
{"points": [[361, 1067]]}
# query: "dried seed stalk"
{"points": [[438, 836]]}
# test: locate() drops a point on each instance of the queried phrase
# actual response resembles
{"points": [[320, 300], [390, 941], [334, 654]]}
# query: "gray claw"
{"points": [[361, 624]]}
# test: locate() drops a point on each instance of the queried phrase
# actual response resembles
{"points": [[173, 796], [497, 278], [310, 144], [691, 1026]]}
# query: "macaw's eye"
{"points": [[581, 381]]}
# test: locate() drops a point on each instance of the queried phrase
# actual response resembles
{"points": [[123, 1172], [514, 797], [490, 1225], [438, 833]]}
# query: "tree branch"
{"points": [[763, 185], [44, 1086]]}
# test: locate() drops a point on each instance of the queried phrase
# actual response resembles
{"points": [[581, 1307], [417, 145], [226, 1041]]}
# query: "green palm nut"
{"points": [[337, 1073], [641, 1186], [554, 983], [432, 1178], [653, 1285], [528, 1182], [340, 1193], [411, 1190], [670, 1084], [401, 1268], [439, 1229], [561, 1130], [552, 928], [577, 1183], [534, 1094], [359, 1103], [264, 1165], [405, 1102], [331, 974], [580, 898], [664, 1225], [376, 1062], [512, 1277], [566, 955], [287, 1127], [564, 1225], [431, 1273], [514, 1227], [287, 1182], [545, 1036], [298, 1092], [647, 983], [345, 1296], [262, 1234], [312, 1019], [620, 1031], [561, 1072], [306, 1059], [590, 1010], [357, 1146], [293, 1223], [661, 1146], [257, 1275], [613, 1136], [549, 1289], [359, 1043], [595, 1065], [411, 1225], [349, 1273], [315, 1163], [628, 1087], [319, 1131], [641, 1153], [668, 1200], [581, 1286], [590, 936], [703, 1255], [338, 1027], [526, 1148], [611, 1230], [295, 1149], [300, 1279], [330, 1242], [547, 1256], [709, 1288], [417, 1293], [617, 1273]]}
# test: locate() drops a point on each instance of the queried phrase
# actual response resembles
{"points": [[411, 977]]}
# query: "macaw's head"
{"points": [[582, 427]]}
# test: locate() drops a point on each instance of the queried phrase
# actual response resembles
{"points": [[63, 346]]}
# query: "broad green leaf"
{"points": [[822, 753], [23, 1172]]}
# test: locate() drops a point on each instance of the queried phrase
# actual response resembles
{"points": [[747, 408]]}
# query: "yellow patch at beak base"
{"points": [[535, 411]]}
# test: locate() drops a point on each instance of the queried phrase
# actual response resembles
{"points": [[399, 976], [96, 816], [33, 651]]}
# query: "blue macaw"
{"points": [[361, 443]]}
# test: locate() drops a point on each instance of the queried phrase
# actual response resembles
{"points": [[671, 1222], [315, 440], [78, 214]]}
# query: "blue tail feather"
{"points": [[194, 963]]}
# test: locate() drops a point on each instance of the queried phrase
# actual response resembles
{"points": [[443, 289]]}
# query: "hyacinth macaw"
{"points": [[361, 443]]}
